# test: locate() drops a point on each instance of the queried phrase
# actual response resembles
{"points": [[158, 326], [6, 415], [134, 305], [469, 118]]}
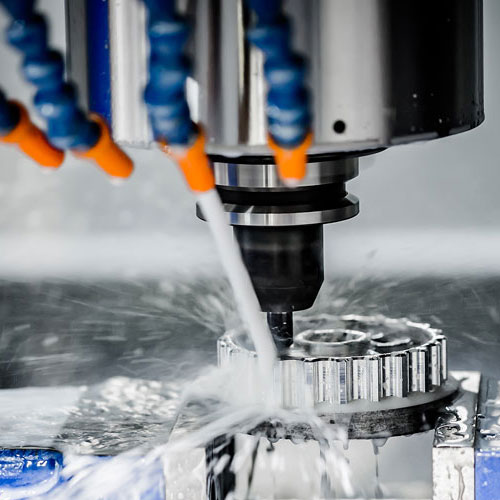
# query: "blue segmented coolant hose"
{"points": [[68, 126], [56, 100], [288, 113], [169, 68]]}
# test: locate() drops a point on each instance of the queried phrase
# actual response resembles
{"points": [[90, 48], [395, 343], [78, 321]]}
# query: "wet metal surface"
{"points": [[64, 333], [453, 448], [150, 337], [76, 333]]}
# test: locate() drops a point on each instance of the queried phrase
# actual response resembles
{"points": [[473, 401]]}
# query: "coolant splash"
{"points": [[178, 464], [239, 279]]}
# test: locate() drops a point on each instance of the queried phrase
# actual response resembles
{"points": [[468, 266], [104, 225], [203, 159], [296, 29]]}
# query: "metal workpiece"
{"points": [[333, 342], [456, 426], [360, 364], [267, 463], [454, 437], [488, 441]]}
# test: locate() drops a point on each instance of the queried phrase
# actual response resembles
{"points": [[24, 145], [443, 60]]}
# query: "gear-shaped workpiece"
{"points": [[338, 360]]}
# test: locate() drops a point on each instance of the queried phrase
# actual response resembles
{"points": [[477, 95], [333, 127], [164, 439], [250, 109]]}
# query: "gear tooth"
{"points": [[316, 386], [338, 372], [359, 378], [349, 380], [386, 385], [342, 372], [375, 378], [292, 383], [323, 381], [435, 363], [399, 374], [309, 383], [395, 374], [441, 339], [282, 383], [419, 369]]}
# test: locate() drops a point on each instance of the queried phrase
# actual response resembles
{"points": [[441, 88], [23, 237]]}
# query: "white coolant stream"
{"points": [[238, 276]]}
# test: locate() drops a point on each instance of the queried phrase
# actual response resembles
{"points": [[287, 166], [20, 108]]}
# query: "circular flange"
{"points": [[253, 194], [332, 342], [265, 176], [253, 215], [383, 423]]}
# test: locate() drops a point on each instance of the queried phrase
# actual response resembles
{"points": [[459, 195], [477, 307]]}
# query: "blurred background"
{"points": [[426, 244], [425, 208]]}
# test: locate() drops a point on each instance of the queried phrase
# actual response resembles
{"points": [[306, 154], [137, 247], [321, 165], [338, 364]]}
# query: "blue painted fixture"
{"points": [[29, 471]]}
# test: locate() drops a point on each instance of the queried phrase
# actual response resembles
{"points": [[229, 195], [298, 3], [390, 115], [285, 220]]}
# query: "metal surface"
{"points": [[453, 448], [335, 375], [265, 176], [411, 415], [292, 443], [285, 265], [76, 55], [268, 459], [253, 196], [282, 216], [332, 342], [72, 333], [281, 327], [388, 74], [365, 71], [56, 334], [128, 56]]}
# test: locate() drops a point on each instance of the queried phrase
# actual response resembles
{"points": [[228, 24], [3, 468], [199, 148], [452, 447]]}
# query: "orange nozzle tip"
{"points": [[32, 141], [107, 154], [194, 164], [291, 162]]}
